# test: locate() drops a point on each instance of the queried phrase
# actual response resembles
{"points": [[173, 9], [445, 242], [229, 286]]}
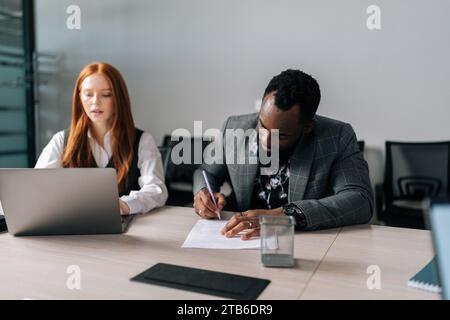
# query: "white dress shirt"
{"points": [[153, 192]]}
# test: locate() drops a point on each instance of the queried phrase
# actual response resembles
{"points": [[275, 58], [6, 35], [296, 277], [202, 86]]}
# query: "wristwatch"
{"points": [[294, 211]]}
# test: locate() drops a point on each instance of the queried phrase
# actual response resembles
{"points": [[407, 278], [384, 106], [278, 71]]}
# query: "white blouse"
{"points": [[153, 192]]}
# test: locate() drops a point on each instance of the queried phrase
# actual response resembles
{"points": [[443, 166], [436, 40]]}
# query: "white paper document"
{"points": [[206, 235]]}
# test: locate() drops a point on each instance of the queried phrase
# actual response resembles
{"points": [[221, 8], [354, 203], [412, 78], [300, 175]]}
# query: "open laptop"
{"points": [[61, 201], [438, 220]]}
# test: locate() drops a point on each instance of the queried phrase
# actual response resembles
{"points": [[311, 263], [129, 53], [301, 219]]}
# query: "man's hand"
{"points": [[204, 206], [124, 209], [248, 220]]}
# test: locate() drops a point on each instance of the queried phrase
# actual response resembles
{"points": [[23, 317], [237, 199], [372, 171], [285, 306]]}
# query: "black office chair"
{"points": [[361, 145], [165, 156], [3, 226], [413, 172], [179, 177]]}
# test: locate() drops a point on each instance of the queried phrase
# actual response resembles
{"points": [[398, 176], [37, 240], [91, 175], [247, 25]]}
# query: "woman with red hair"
{"points": [[102, 134]]}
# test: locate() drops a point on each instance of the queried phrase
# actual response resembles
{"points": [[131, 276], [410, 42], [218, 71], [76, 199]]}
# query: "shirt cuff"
{"points": [[133, 204]]}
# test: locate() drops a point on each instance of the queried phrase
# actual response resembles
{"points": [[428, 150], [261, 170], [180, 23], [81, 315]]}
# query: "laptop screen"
{"points": [[440, 224]]}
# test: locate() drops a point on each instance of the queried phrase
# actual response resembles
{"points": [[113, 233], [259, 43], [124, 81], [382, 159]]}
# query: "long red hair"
{"points": [[78, 153]]}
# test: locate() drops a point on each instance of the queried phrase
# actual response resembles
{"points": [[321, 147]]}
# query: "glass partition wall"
{"points": [[17, 102]]}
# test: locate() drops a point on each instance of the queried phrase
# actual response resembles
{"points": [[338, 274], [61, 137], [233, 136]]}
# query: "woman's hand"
{"points": [[248, 220], [124, 209]]}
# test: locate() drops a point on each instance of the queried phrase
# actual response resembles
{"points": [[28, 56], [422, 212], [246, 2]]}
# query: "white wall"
{"points": [[187, 60]]}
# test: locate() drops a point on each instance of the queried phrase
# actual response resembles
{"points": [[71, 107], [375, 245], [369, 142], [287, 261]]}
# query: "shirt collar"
{"points": [[107, 135]]}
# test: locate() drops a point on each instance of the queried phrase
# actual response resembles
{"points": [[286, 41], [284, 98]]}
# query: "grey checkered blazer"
{"points": [[329, 178]]}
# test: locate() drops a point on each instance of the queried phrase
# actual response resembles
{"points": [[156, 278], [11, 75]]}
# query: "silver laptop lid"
{"points": [[60, 201], [439, 219]]}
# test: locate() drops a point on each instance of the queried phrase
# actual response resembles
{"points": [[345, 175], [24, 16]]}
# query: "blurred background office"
{"points": [[187, 60]]}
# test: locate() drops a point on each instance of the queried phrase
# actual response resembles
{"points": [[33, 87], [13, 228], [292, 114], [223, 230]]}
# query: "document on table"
{"points": [[206, 235]]}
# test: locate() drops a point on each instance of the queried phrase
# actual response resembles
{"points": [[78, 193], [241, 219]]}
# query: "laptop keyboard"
{"points": [[126, 220]]}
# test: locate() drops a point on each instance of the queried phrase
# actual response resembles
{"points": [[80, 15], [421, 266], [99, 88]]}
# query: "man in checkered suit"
{"points": [[322, 178]]}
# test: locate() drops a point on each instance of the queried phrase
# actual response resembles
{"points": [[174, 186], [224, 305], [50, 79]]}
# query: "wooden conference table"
{"points": [[330, 264]]}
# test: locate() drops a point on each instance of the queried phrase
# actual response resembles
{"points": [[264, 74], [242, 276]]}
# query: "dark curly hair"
{"points": [[294, 87]]}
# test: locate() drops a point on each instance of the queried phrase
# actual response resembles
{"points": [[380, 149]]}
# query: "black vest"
{"points": [[132, 180]]}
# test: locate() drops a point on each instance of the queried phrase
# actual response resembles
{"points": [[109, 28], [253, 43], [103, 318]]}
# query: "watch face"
{"points": [[289, 209]]}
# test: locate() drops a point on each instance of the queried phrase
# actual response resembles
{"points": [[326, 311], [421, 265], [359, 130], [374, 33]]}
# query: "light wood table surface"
{"points": [[397, 254], [330, 264]]}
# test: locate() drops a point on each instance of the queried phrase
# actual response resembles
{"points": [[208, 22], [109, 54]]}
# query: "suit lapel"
{"points": [[247, 172], [300, 167]]}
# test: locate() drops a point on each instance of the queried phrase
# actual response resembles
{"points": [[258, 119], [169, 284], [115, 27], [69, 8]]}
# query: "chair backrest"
{"points": [[361, 145], [165, 156], [182, 172], [416, 170]]}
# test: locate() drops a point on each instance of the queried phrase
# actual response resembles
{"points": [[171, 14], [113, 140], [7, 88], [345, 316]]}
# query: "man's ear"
{"points": [[309, 127]]}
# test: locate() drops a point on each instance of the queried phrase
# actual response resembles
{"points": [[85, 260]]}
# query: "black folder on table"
{"points": [[203, 281], [427, 278]]}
